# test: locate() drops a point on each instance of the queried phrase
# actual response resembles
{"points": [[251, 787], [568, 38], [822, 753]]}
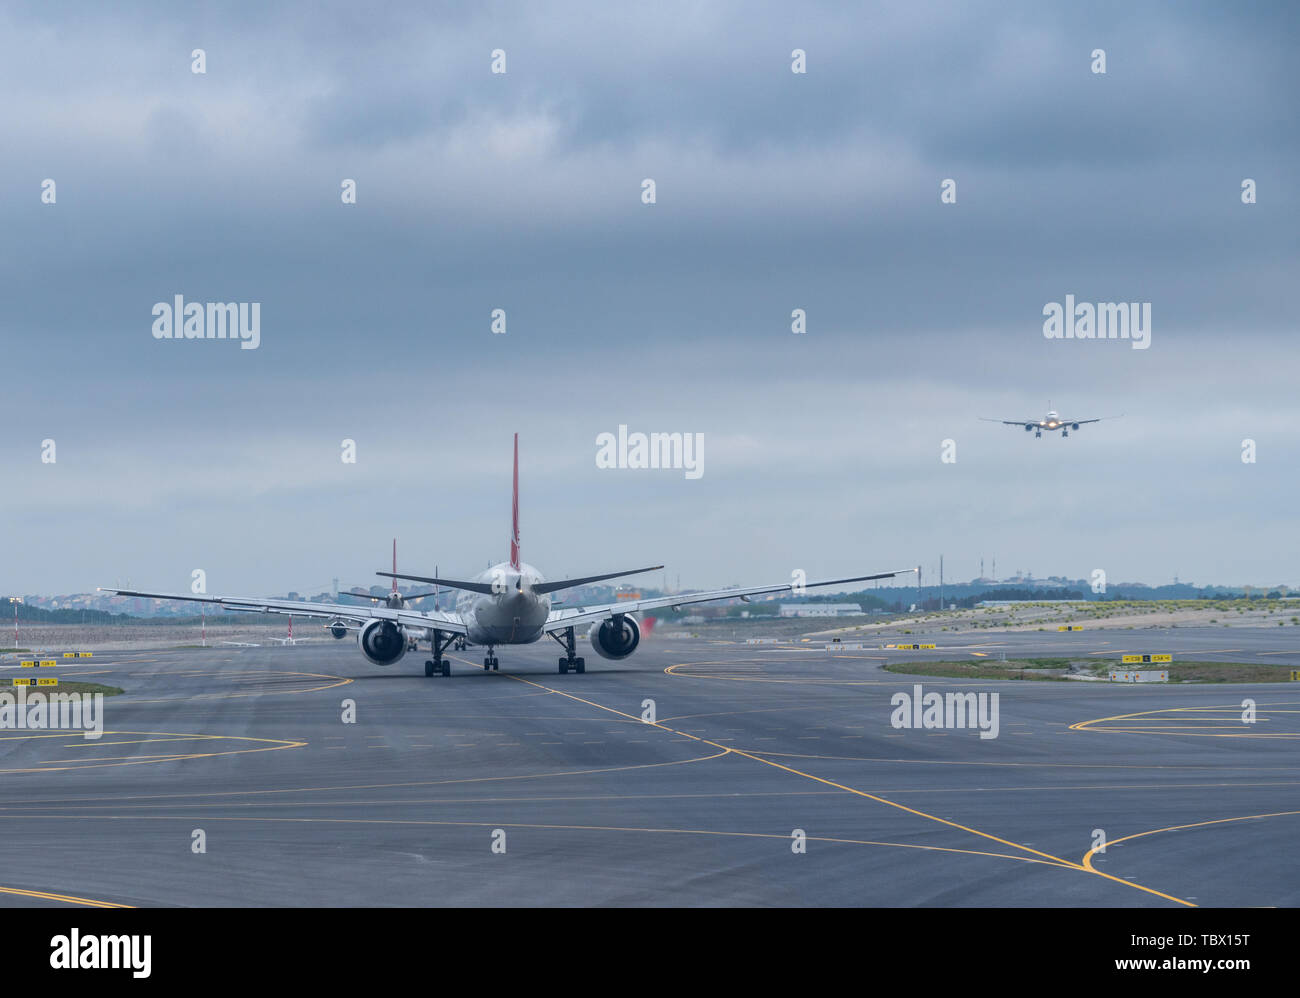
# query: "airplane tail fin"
{"points": [[514, 514], [394, 565]]}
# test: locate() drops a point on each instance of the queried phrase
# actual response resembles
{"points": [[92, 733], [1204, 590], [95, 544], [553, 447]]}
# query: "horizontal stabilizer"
{"points": [[551, 587], [541, 589], [473, 587]]}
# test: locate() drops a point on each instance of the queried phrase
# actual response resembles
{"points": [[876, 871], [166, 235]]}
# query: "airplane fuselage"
{"points": [[1053, 422], [512, 614]]}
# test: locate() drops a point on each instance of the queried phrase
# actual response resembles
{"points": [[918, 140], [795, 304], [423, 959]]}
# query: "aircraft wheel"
{"points": [[564, 666], [428, 668], [446, 669]]}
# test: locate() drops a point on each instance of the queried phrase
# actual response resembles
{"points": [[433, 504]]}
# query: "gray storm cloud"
{"points": [[775, 191]]}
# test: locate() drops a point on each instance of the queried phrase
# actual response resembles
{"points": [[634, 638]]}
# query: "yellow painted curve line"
{"points": [[1087, 857], [341, 681], [65, 898], [273, 745], [1203, 730], [1052, 860]]}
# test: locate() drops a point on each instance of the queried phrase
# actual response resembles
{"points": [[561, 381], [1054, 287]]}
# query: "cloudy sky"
{"points": [[523, 191]]}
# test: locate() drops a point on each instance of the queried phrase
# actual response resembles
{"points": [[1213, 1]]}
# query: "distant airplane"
{"points": [[1052, 421], [394, 601], [509, 604]]}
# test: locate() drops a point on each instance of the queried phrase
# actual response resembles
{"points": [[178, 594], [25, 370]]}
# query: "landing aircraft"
{"points": [[509, 604], [1052, 421]]}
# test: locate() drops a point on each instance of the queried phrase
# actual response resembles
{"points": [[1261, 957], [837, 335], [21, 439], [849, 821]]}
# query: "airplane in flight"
{"points": [[1051, 422], [508, 604]]}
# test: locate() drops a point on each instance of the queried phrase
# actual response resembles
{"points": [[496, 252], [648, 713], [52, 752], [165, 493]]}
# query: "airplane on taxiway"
{"points": [[508, 604]]}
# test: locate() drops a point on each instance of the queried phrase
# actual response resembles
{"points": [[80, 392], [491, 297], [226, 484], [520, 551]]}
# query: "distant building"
{"points": [[820, 610]]}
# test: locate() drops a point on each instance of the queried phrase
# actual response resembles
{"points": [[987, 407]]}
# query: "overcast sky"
{"points": [[523, 191]]}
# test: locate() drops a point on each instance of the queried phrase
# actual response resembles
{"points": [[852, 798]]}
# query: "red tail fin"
{"points": [[514, 513], [394, 563]]}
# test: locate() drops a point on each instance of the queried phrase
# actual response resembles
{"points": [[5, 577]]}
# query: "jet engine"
{"points": [[1074, 426], [616, 637], [1028, 427], [382, 642], [338, 629]]}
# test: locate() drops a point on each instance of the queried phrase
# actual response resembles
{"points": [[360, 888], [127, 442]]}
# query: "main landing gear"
{"points": [[491, 662], [569, 645], [438, 664]]}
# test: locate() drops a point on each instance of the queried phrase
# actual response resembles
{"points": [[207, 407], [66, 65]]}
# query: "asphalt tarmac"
{"points": [[771, 776]]}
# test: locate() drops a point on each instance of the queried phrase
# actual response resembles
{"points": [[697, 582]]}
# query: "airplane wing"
{"points": [[1013, 422], [442, 620], [1071, 422], [560, 619], [379, 599]]}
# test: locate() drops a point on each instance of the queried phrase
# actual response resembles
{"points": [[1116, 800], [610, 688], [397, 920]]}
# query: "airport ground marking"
{"points": [[370, 786], [60, 765], [65, 898], [269, 674], [1047, 857], [781, 836], [120, 802], [798, 681], [732, 713], [1087, 857], [1143, 722]]}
